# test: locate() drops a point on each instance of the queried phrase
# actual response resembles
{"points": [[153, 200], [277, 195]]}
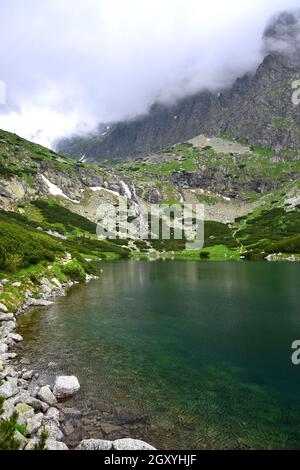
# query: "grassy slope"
{"points": [[19, 157], [27, 255]]}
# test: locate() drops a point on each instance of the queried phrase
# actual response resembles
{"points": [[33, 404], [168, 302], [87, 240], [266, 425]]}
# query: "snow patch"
{"points": [[56, 191], [99, 188]]}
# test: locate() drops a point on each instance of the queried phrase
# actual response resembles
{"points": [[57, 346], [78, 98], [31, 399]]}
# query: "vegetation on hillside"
{"points": [[8, 429], [246, 176], [21, 246]]}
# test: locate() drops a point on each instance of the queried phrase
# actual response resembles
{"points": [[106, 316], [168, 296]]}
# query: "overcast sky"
{"points": [[69, 64]]}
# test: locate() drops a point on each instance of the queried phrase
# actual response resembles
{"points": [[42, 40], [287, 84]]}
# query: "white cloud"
{"points": [[69, 64]]}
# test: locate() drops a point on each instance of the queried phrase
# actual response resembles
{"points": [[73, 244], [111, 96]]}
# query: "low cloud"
{"points": [[69, 65]]}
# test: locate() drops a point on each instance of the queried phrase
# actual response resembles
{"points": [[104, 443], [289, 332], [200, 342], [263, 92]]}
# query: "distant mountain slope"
{"points": [[251, 198], [258, 109]]}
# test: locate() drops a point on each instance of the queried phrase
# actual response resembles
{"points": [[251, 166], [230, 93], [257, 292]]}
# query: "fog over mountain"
{"points": [[70, 65]]}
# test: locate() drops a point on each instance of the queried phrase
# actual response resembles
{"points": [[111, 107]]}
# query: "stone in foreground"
{"points": [[15, 337], [34, 423], [51, 444], [6, 316], [131, 444], [9, 388], [95, 444], [66, 386], [46, 395], [120, 444]]}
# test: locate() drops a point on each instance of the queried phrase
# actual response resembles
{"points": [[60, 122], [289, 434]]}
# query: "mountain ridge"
{"points": [[258, 109]]}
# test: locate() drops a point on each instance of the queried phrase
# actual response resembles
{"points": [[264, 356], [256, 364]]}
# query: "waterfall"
{"points": [[130, 192], [126, 189]]}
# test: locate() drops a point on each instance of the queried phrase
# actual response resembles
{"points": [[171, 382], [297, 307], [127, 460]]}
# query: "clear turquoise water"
{"points": [[187, 355]]}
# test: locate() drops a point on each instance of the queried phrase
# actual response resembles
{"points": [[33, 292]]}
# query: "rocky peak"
{"points": [[257, 109], [283, 34]]}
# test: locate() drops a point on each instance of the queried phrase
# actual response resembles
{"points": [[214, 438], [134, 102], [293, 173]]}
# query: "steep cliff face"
{"points": [[163, 126], [258, 108]]}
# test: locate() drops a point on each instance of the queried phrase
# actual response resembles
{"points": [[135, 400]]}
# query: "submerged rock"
{"points": [[52, 365], [66, 386], [108, 428], [28, 375], [95, 444], [25, 362], [41, 303]]}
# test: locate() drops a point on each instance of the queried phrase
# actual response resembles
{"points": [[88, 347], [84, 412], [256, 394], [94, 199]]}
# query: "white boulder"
{"points": [[66, 386], [9, 388], [131, 444], [3, 348]]}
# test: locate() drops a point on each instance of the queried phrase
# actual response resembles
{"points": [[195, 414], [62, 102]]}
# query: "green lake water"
{"points": [[186, 355]]}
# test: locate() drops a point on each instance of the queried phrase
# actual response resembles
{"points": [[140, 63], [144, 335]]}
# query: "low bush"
{"points": [[21, 246], [74, 270]]}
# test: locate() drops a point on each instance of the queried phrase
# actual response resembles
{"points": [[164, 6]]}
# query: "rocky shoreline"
{"points": [[38, 408]]}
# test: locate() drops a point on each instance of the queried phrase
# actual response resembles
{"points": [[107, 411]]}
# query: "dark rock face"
{"points": [[258, 108], [228, 185], [163, 126], [4, 192]]}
